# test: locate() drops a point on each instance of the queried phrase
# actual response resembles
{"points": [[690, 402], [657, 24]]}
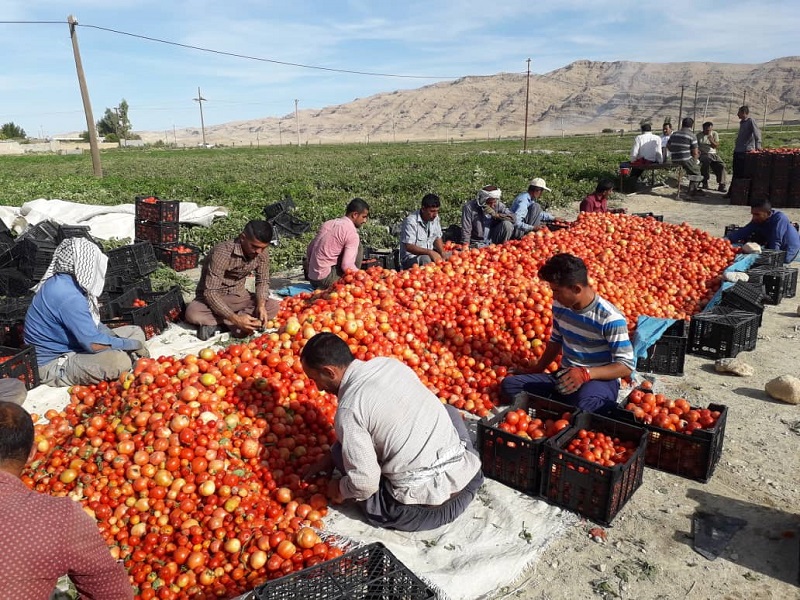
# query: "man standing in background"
{"points": [[708, 142], [748, 138], [666, 132]]}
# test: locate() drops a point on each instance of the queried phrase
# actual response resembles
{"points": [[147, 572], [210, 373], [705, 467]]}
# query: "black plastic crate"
{"points": [[170, 303], [12, 333], [73, 231], [156, 233], [156, 210], [45, 231], [649, 215], [722, 333], [287, 225], [13, 283], [730, 229], [20, 364], [770, 258], [179, 257], [368, 573], [790, 283], [119, 284], [273, 210], [6, 239], [35, 256], [776, 281], [668, 355], [587, 488], [745, 296], [511, 459], [147, 317], [14, 308], [691, 455], [132, 261]]}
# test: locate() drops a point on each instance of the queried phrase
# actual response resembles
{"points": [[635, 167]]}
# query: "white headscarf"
{"points": [[484, 195], [83, 260]]}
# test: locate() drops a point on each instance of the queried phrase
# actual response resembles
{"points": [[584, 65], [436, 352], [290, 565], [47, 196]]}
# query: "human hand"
{"points": [[324, 464], [435, 256], [571, 379], [334, 492], [246, 323]]}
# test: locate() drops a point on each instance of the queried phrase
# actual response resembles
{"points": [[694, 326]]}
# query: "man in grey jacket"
{"points": [[485, 220], [748, 138]]}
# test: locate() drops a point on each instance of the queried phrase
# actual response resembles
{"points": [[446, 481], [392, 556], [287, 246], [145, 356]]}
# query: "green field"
{"points": [[321, 179]]}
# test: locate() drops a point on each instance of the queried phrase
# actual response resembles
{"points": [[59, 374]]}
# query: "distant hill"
{"points": [[583, 97]]}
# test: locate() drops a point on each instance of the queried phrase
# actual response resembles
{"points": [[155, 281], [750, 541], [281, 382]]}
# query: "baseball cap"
{"points": [[539, 182]]}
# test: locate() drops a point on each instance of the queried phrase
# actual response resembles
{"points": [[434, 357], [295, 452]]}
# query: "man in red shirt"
{"points": [[598, 201], [43, 537]]}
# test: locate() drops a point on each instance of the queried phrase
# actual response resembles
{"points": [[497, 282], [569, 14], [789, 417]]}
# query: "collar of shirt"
{"points": [[13, 482]]}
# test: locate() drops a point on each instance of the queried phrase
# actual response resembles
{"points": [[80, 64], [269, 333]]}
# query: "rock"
{"points": [[785, 388], [735, 366], [601, 567], [798, 310]]}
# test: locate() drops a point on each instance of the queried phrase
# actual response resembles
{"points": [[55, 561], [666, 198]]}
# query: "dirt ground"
{"points": [[648, 553]]}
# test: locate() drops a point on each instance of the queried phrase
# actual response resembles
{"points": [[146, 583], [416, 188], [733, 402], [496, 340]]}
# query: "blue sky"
{"points": [[435, 40]]}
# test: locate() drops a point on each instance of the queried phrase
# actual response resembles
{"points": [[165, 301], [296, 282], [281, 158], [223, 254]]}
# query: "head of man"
{"points": [[667, 129], [707, 127], [744, 112], [760, 212], [604, 187], [646, 127], [429, 209], [16, 437], [687, 123], [325, 358], [255, 237], [568, 278], [488, 195], [536, 187], [357, 211]]}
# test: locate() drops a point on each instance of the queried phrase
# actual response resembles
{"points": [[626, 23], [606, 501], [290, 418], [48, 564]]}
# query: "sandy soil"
{"points": [[648, 552]]}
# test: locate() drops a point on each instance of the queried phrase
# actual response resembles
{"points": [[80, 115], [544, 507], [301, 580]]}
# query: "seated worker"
{"points": [[44, 537], [666, 133], [597, 202], [485, 220], [590, 334], [63, 321], [685, 152], [421, 236], [406, 459], [221, 299], [771, 229], [646, 151], [708, 142], [527, 209], [337, 248]]}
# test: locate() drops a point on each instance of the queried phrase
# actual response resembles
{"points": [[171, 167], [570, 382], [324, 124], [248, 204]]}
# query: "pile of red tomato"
{"points": [[520, 423], [601, 448], [192, 466], [667, 413]]}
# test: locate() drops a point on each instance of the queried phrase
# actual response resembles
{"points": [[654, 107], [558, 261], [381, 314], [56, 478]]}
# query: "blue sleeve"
{"points": [[742, 234], [78, 321], [466, 224], [785, 237], [520, 212]]}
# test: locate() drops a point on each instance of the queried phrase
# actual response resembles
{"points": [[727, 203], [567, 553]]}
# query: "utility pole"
{"points": [[783, 114], [764, 121], [730, 108], [694, 114], [680, 109], [527, 95], [200, 101], [297, 121], [174, 136], [258, 141], [280, 134], [87, 105], [562, 127], [744, 98], [705, 110]]}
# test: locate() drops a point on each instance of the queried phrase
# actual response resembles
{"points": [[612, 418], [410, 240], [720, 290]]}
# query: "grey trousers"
{"points": [[13, 390], [382, 510], [712, 162], [86, 368]]}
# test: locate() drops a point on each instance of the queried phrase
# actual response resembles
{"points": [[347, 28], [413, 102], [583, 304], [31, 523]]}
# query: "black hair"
{"points": [[646, 127], [745, 109], [258, 230], [687, 122], [356, 205], [707, 124], [761, 205], [604, 185], [431, 201], [564, 270], [16, 433], [326, 349]]}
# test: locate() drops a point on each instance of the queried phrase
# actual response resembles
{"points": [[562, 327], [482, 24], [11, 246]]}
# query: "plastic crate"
{"points": [[172, 256], [745, 296], [45, 231], [668, 355], [790, 283], [513, 460], [722, 333], [740, 192], [770, 258], [776, 281], [170, 303], [730, 229], [157, 233], [691, 455], [368, 573], [146, 317], [118, 284], [273, 210], [13, 283], [132, 261], [12, 333], [587, 488], [287, 225], [73, 231], [21, 364], [35, 256], [649, 215], [152, 208]]}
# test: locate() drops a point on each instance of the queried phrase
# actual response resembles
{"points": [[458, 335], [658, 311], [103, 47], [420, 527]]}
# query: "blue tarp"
{"points": [[741, 263], [294, 290]]}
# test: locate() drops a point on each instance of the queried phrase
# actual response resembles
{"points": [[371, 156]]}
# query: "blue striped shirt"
{"points": [[592, 337]]}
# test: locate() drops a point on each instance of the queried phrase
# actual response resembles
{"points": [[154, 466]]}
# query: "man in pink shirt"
{"points": [[598, 201], [43, 537], [337, 247]]}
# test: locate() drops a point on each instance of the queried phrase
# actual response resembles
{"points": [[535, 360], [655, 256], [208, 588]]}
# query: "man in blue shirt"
{"points": [[527, 209], [421, 236], [770, 228], [63, 321]]}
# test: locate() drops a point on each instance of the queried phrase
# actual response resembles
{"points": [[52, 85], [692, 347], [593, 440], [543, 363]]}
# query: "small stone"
{"points": [[617, 544], [785, 388], [554, 564], [798, 310], [734, 556], [735, 366], [623, 586], [602, 567]]}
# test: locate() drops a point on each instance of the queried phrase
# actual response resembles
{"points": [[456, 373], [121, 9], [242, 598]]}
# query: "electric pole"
{"points": [[783, 114], [527, 95], [764, 121], [200, 101], [680, 109], [744, 98], [297, 121], [174, 136], [280, 134], [87, 105], [694, 114], [730, 108]]}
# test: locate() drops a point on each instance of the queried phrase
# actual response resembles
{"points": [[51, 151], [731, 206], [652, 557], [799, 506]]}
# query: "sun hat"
{"points": [[539, 182]]}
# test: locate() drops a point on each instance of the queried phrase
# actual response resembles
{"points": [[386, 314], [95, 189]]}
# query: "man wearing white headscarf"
{"points": [[485, 220], [63, 321]]}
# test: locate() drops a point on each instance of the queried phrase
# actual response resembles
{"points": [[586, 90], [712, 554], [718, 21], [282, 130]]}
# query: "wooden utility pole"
{"points": [[527, 95], [200, 101], [87, 105], [297, 121], [694, 114], [730, 108], [783, 114], [680, 109], [280, 134], [764, 121], [744, 98]]}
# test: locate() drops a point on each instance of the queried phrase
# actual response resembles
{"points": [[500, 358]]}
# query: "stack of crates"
{"points": [[284, 223], [129, 266], [157, 220]]}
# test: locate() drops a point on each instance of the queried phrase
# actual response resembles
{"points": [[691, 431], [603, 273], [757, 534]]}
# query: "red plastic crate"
{"points": [[157, 233], [179, 257], [152, 208]]}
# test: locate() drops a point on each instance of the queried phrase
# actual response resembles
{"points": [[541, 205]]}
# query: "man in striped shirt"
{"points": [[590, 334], [686, 153]]}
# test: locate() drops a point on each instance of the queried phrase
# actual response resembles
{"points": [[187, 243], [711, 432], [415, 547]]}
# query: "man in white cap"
{"points": [[485, 220], [528, 211]]}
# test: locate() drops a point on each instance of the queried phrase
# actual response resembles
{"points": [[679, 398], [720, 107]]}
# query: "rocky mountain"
{"points": [[583, 97]]}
